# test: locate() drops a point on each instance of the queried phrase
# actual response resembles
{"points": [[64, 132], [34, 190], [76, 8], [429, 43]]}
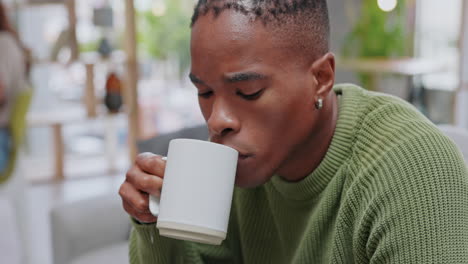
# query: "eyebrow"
{"points": [[195, 79], [243, 77], [233, 77]]}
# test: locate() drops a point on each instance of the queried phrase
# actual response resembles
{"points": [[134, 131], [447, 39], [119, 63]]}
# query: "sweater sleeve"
{"points": [[418, 204], [147, 246]]}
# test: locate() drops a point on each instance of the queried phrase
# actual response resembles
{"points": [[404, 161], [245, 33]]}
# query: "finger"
{"points": [[142, 217], [144, 182], [151, 163], [138, 200]]}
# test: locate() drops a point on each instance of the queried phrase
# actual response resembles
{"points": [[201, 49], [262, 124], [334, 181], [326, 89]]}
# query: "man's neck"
{"points": [[309, 156]]}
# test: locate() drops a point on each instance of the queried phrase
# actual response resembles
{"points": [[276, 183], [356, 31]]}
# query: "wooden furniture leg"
{"points": [[59, 152]]}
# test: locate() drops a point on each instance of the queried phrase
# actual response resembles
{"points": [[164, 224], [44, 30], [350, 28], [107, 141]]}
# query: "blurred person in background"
{"points": [[14, 68]]}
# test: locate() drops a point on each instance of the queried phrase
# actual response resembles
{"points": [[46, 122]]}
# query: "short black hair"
{"points": [[304, 22]]}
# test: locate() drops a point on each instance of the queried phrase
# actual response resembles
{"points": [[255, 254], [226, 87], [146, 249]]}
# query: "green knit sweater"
{"points": [[391, 189]]}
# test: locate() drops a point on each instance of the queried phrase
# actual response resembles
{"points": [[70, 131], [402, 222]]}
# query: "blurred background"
{"points": [[108, 75]]}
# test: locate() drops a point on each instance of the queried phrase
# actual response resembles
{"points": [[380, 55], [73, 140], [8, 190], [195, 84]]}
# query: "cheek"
{"points": [[205, 107], [285, 113], [281, 125]]}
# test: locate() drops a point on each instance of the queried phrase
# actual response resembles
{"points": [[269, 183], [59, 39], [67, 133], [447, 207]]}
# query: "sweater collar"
{"points": [[337, 154]]}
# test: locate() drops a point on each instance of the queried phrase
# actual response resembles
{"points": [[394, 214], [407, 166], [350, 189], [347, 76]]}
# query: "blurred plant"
{"points": [[88, 46], [165, 31], [376, 34]]}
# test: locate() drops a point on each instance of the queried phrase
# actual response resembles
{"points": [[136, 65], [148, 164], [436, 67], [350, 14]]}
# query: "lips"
{"points": [[242, 154]]}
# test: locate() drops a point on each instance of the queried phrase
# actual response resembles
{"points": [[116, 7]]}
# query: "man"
{"points": [[326, 174]]}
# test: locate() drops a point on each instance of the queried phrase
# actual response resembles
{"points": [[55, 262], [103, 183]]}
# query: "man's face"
{"points": [[253, 95]]}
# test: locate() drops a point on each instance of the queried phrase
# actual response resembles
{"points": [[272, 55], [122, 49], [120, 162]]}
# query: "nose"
{"points": [[222, 120]]}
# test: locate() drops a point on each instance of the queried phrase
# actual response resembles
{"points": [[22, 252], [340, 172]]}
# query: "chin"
{"points": [[250, 180], [252, 172]]}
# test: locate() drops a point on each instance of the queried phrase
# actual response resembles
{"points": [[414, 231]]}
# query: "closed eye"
{"points": [[206, 95], [253, 96]]}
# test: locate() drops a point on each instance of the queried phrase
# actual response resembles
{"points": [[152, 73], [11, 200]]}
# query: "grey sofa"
{"points": [[96, 230]]}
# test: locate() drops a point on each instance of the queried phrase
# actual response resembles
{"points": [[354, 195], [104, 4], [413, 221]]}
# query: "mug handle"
{"points": [[154, 202]]}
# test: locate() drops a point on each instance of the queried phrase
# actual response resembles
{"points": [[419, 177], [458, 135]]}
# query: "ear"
{"points": [[324, 71]]}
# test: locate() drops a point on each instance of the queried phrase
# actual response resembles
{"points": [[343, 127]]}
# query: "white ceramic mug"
{"points": [[197, 191]]}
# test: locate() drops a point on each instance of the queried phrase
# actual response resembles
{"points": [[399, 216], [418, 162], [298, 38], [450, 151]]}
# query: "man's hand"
{"points": [[144, 178]]}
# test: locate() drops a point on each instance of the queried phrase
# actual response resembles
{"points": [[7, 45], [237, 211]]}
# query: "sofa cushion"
{"points": [[84, 226], [116, 254]]}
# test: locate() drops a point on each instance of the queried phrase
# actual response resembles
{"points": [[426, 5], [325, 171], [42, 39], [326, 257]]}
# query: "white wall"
{"points": [[461, 111]]}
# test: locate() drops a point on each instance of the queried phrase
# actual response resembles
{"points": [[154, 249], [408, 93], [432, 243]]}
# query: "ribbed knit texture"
{"points": [[391, 189]]}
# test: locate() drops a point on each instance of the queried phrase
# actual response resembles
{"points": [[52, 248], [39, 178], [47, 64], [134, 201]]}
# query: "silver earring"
{"points": [[319, 104]]}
